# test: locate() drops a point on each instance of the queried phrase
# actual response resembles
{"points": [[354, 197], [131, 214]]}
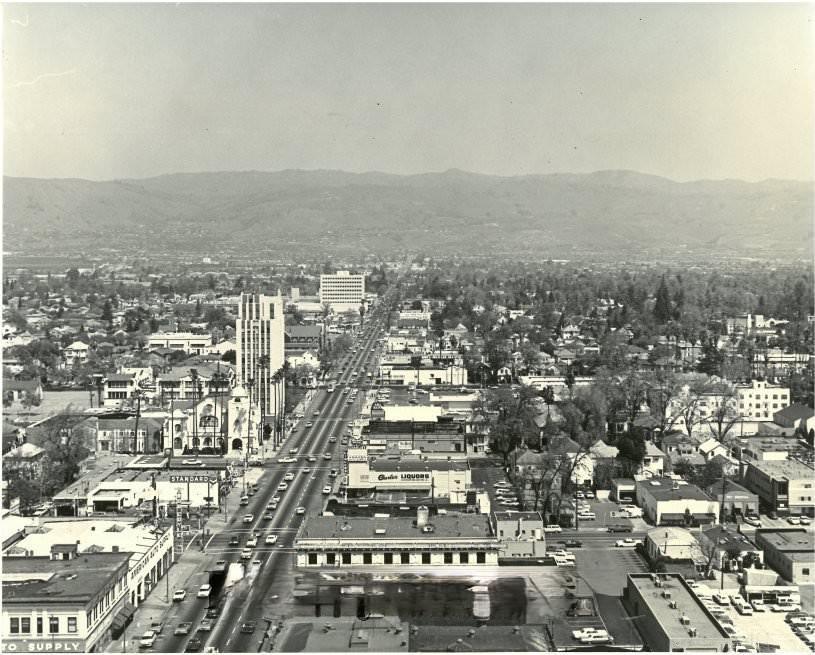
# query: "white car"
{"points": [[326, 489], [623, 543], [204, 591], [179, 595], [248, 518], [252, 542], [758, 606], [246, 553], [579, 634], [147, 639], [300, 510], [282, 486], [289, 476], [552, 528], [271, 539], [794, 520]]}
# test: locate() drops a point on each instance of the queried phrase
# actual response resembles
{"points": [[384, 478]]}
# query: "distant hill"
{"points": [[454, 211]]}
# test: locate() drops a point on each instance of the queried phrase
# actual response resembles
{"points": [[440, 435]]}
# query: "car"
{"points": [[147, 639], [805, 520], [327, 489], [332, 439], [193, 645], [344, 442], [552, 528], [589, 494], [204, 591], [310, 424], [179, 595], [758, 605], [620, 528], [205, 625], [289, 476], [624, 543], [248, 628], [271, 539], [294, 451], [579, 634], [306, 470], [311, 458], [213, 612], [721, 599], [248, 518], [282, 486], [182, 629], [502, 483], [327, 456], [234, 541], [275, 499], [586, 516], [244, 500], [246, 553], [753, 520], [729, 629], [794, 520], [572, 543], [316, 412], [332, 474], [268, 516], [579, 494], [271, 506], [300, 510], [252, 542], [350, 401]]}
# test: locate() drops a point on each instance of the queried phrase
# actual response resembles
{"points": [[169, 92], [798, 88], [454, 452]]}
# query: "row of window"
{"points": [[404, 558], [21, 625]]}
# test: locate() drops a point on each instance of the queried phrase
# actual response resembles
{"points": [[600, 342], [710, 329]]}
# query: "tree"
{"points": [[64, 442], [30, 400], [631, 449], [107, 312], [663, 312], [28, 491]]}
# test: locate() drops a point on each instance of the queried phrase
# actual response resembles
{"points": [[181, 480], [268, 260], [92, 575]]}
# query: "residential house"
{"points": [[76, 354], [710, 448], [26, 460], [653, 462], [18, 390]]}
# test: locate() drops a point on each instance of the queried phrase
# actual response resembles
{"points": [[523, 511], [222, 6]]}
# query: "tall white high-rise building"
{"points": [[259, 354], [342, 290]]}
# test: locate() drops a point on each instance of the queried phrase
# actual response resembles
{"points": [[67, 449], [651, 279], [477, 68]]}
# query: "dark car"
{"points": [[620, 528], [234, 541], [572, 543], [213, 612], [193, 645], [248, 627]]}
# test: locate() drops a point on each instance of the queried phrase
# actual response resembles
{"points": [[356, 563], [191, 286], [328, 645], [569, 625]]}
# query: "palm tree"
{"points": [[195, 386]]}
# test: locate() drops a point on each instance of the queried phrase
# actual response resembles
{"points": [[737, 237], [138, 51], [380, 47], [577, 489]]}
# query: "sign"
{"points": [[193, 478], [403, 478], [44, 646]]}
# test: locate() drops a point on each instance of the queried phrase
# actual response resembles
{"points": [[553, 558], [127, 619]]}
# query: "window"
{"points": [[425, 558], [367, 558], [404, 558], [25, 625], [388, 558], [464, 558], [331, 558], [804, 571], [14, 625], [448, 558], [481, 558], [71, 624], [346, 558], [88, 619], [53, 624], [312, 558], [39, 625]]}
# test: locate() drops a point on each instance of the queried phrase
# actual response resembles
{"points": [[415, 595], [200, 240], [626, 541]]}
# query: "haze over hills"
{"points": [[453, 211]]}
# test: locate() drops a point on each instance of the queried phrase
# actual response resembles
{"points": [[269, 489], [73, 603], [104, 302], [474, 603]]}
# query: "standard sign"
{"points": [[193, 478]]}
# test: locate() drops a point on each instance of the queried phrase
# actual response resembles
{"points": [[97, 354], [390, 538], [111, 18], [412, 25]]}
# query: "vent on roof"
{"points": [[672, 604], [666, 593], [684, 620]]}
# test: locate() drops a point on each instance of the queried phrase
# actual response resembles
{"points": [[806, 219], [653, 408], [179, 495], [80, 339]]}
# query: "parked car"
{"points": [[204, 591], [794, 520], [244, 500], [327, 489], [193, 645], [758, 605], [179, 595], [624, 543], [752, 520], [147, 639]]}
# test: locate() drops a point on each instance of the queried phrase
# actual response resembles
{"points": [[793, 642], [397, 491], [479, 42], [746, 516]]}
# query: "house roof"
{"points": [[709, 446], [795, 412], [601, 449], [25, 451]]}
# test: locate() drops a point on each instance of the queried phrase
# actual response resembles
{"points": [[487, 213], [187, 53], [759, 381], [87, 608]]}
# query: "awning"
{"points": [[123, 616], [681, 517]]}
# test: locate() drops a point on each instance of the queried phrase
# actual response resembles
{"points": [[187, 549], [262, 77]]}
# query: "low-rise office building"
{"points": [[430, 478], [789, 552], [194, 344], [738, 501], [784, 486], [150, 548], [521, 533], [669, 616], [64, 605], [454, 540], [666, 501]]}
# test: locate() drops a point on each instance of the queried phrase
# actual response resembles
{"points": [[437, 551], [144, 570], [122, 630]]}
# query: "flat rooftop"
{"points": [[669, 489], [42, 580], [515, 516], [412, 465], [790, 541], [687, 604], [448, 526], [787, 469]]}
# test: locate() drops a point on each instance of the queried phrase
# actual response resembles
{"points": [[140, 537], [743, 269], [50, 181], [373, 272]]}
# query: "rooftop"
{"points": [[687, 605], [518, 516], [392, 464], [42, 580], [329, 634], [466, 527], [669, 489], [790, 541], [789, 469]]}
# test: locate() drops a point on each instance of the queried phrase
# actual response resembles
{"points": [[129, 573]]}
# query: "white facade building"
{"points": [[194, 344], [342, 290], [260, 334]]}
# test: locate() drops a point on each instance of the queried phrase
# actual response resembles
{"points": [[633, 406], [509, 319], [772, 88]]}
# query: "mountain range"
{"points": [[452, 212]]}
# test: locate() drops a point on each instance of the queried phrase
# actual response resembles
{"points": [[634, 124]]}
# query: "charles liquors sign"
{"points": [[404, 478]]}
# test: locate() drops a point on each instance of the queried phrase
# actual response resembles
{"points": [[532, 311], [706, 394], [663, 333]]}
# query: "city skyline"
{"points": [[680, 91]]}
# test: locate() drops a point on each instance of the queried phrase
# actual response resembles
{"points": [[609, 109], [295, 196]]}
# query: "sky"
{"points": [[684, 91]]}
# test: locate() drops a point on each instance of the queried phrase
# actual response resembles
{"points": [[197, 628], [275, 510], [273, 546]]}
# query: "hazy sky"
{"points": [[688, 92]]}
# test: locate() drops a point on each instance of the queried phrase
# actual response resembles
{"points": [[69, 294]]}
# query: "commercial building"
{"points": [[521, 533], [784, 486], [738, 501], [150, 548], [260, 331], [760, 400], [64, 605], [342, 291], [119, 389], [194, 344], [789, 552], [669, 616], [672, 543], [425, 375], [432, 438], [452, 540], [666, 501], [426, 478]]}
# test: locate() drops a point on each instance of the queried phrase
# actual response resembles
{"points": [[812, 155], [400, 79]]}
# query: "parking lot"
{"points": [[762, 627], [605, 569]]}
